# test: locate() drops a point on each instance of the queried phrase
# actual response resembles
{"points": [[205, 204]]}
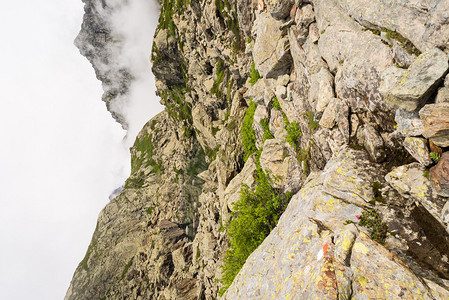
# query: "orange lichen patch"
{"points": [[327, 281]]}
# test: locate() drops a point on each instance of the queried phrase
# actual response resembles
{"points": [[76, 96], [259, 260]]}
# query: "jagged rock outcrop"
{"points": [[416, 85], [99, 42], [339, 103]]}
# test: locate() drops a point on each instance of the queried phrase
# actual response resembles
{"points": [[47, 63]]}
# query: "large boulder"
{"points": [[370, 138], [273, 160], [443, 95], [321, 89], [418, 83], [435, 120], [329, 116], [280, 9], [412, 184], [418, 148], [166, 59], [439, 176], [356, 57], [271, 51], [246, 176], [424, 23], [408, 123]]}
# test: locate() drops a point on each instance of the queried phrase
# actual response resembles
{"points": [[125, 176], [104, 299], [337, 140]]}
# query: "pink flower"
{"points": [[358, 217]]}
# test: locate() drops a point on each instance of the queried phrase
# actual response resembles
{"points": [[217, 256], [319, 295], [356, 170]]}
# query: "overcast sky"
{"points": [[61, 153]]}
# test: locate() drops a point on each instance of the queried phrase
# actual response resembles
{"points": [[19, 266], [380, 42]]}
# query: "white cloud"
{"points": [[61, 153], [135, 24]]}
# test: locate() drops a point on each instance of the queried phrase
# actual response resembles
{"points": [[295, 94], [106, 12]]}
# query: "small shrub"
{"points": [[254, 74], [275, 104], [377, 230], [198, 253], [435, 156], [248, 135], [188, 132], [211, 153], [267, 135], [425, 174], [293, 134], [374, 31], [355, 147], [255, 215]]}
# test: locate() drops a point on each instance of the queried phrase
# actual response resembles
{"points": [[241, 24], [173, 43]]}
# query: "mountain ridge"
{"points": [[341, 104]]}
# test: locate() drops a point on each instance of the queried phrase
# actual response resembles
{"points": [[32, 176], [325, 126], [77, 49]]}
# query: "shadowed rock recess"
{"points": [[339, 106]]}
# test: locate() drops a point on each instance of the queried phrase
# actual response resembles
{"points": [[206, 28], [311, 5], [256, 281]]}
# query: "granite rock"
{"points": [[435, 120]]}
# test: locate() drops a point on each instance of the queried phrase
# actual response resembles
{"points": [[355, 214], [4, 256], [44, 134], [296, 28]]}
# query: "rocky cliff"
{"points": [[340, 105]]}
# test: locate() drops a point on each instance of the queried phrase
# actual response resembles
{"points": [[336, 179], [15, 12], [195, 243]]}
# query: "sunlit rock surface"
{"points": [[351, 119]]}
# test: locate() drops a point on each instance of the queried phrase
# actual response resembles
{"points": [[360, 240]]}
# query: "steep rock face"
{"points": [[99, 42], [138, 232], [303, 91]]}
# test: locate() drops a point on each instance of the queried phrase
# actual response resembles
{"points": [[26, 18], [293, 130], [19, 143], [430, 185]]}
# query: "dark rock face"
{"points": [[101, 46], [280, 9], [167, 64], [439, 176]]}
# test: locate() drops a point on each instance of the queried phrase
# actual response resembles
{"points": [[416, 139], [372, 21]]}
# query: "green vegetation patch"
{"points": [[293, 134], [177, 107], [257, 211], [254, 74], [377, 230], [143, 157], [229, 17], [435, 156], [405, 43], [393, 35], [255, 214], [211, 153], [248, 135], [146, 147], [267, 135], [377, 191], [293, 131]]}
